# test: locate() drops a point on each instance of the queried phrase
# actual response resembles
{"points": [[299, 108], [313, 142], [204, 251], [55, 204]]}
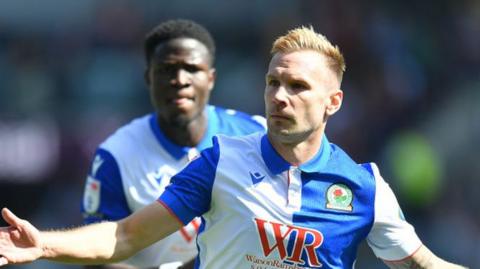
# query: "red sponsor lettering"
{"points": [[281, 232], [279, 238]]}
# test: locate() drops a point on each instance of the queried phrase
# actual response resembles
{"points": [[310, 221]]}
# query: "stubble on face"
{"points": [[297, 89]]}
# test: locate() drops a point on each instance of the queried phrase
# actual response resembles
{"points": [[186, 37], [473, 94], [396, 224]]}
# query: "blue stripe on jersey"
{"points": [[113, 204], [190, 193], [342, 230]]}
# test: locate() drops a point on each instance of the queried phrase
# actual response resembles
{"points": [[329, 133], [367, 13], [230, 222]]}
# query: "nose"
{"points": [[279, 95], [180, 78]]}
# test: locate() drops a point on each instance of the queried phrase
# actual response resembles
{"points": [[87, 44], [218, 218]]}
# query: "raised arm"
{"points": [[423, 258], [99, 243]]}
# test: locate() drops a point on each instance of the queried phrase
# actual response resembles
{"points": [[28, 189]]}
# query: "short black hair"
{"points": [[178, 28]]}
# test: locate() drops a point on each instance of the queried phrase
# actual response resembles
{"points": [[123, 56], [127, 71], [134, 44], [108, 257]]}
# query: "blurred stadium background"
{"points": [[72, 71]]}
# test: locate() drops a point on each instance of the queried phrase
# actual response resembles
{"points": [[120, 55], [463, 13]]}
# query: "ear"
{"points": [[146, 75], [212, 76], [335, 102]]}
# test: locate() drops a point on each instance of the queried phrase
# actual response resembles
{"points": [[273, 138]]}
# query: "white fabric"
{"points": [[391, 237], [142, 188]]}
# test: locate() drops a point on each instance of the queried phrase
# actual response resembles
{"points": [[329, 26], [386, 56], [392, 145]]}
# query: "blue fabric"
{"points": [[175, 150], [319, 161], [276, 164], [368, 167], [113, 205], [190, 193], [342, 230]]}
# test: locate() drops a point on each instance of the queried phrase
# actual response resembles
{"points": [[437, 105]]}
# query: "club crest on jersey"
{"points": [[292, 244], [339, 197], [91, 199]]}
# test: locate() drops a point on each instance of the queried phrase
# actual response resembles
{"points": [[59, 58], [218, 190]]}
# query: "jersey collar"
{"points": [[276, 164], [177, 151]]}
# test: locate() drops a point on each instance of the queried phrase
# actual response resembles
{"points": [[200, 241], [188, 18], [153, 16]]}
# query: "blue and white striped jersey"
{"points": [[258, 211], [133, 166]]}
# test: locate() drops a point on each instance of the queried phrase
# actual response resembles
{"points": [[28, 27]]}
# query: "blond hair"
{"points": [[305, 38]]}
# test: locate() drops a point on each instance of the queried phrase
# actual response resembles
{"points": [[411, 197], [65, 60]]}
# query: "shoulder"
{"points": [[360, 176], [238, 142], [372, 170], [241, 120], [236, 149], [127, 136], [340, 159]]}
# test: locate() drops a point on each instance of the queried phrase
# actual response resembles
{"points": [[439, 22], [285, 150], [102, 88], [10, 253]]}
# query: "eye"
{"points": [[164, 68], [190, 68], [273, 82], [299, 86]]}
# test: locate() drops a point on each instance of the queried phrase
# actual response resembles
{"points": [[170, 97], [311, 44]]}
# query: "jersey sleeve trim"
{"points": [[391, 237], [171, 212], [406, 258]]}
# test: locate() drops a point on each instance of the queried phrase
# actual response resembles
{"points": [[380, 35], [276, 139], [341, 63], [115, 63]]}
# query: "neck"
{"points": [[300, 152], [187, 135]]}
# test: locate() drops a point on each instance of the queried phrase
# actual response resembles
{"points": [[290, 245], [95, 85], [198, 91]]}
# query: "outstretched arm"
{"points": [[423, 258], [99, 243], [110, 266]]}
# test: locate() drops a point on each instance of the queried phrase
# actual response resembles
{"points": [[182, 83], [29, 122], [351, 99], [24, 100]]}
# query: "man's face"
{"points": [[301, 92], [180, 79]]}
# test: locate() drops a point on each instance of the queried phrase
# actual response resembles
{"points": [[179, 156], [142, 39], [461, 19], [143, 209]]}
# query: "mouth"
{"points": [[180, 100], [277, 116]]}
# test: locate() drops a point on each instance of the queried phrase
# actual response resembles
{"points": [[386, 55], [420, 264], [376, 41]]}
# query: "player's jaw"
{"points": [[182, 107], [280, 122], [180, 115]]}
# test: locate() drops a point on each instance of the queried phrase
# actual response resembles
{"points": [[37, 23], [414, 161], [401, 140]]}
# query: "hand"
{"points": [[19, 243]]}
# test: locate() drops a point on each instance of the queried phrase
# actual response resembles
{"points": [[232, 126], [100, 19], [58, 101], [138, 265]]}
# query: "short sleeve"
{"points": [[190, 191], [103, 197], [392, 237]]}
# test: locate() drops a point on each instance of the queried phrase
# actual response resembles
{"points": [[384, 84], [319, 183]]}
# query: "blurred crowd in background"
{"points": [[71, 72]]}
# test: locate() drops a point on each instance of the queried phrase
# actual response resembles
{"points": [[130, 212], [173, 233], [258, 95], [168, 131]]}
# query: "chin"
{"points": [[281, 134], [288, 136], [180, 120], [183, 118], [279, 129]]}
